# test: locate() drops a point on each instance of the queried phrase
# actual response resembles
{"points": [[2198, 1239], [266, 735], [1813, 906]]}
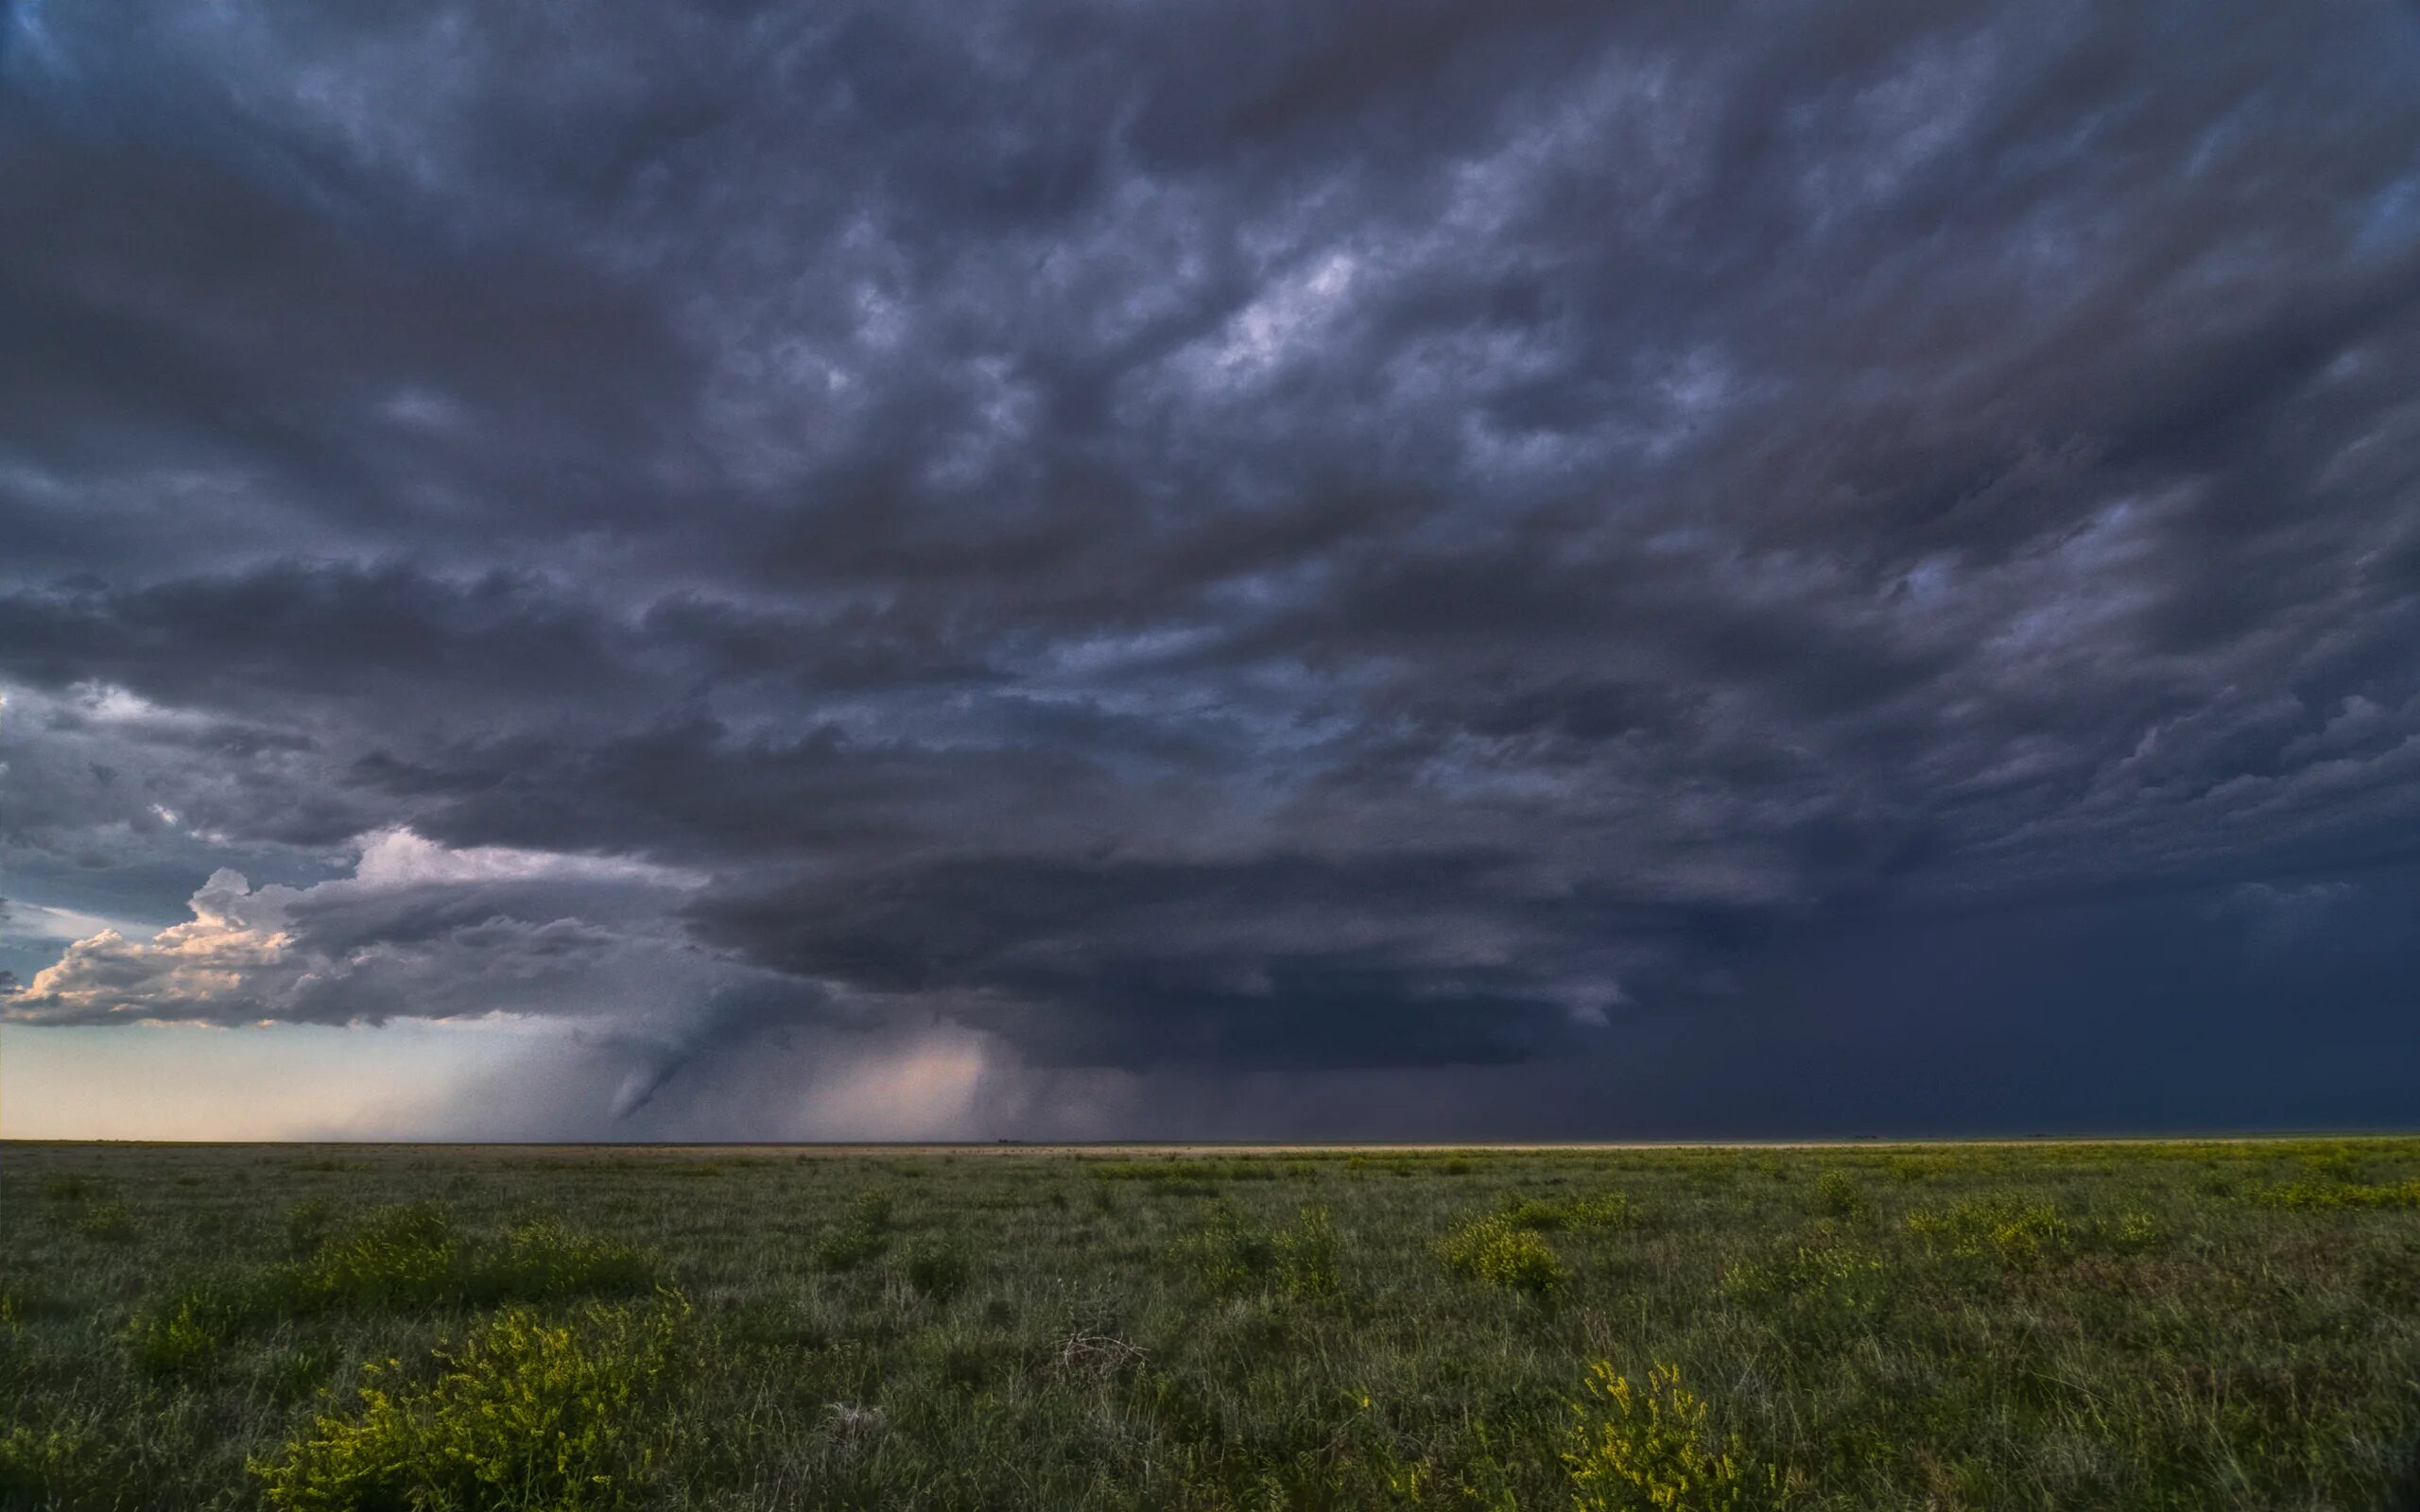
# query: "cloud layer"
{"points": [[1217, 545]]}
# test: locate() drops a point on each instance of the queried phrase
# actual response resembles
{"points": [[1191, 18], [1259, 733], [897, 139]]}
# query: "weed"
{"points": [[1813, 1287], [2019, 1236], [2132, 1233], [528, 1413], [864, 1235], [938, 1270], [1648, 1449], [307, 1224], [181, 1336], [1500, 1253], [1229, 1254], [1234, 1257], [1605, 1209], [52, 1466], [1307, 1257], [108, 1221], [1837, 1194], [403, 1258], [2338, 1194]]}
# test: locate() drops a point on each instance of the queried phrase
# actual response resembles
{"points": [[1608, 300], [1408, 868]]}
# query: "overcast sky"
{"points": [[1249, 569]]}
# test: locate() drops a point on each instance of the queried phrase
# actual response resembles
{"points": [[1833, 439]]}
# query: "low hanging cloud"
{"points": [[418, 931]]}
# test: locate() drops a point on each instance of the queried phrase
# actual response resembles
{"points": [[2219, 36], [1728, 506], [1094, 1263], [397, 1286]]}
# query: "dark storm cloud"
{"points": [[1216, 540]]}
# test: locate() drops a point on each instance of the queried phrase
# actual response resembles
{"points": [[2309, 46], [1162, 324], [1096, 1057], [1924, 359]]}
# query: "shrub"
{"points": [[2132, 1233], [871, 1208], [111, 1222], [547, 1259], [70, 1188], [53, 1466], [938, 1270], [1820, 1286], [1837, 1194], [1648, 1449], [392, 1259], [1606, 1210], [861, 1236], [1306, 1256], [1229, 1254], [181, 1336], [1500, 1253], [307, 1224], [2020, 1236], [1236, 1256], [571, 1415], [2339, 1194]]}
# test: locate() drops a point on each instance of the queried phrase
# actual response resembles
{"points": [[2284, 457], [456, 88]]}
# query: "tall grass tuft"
{"points": [[108, 1221], [573, 1415], [1498, 1251], [1648, 1449], [2017, 1235], [1603, 1209], [864, 1235], [404, 1258]]}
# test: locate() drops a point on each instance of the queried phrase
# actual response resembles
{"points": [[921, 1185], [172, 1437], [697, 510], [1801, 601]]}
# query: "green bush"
{"points": [[1500, 1253], [1648, 1449], [567, 1417]]}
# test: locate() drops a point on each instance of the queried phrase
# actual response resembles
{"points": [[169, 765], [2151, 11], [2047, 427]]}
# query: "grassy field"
{"points": [[2178, 1325]]}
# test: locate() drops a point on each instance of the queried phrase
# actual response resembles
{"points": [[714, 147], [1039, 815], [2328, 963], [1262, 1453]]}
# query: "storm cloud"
{"points": [[1438, 566]]}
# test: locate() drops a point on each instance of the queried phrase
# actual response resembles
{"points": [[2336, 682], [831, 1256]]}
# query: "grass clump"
{"points": [[107, 1222], [1649, 1449], [1603, 1209], [860, 1237], [529, 1412], [69, 1186], [1236, 1256], [1820, 1286], [2017, 1235], [1306, 1256], [1837, 1194], [938, 1270], [404, 1258], [2334, 1193], [1498, 1251], [49, 1467]]}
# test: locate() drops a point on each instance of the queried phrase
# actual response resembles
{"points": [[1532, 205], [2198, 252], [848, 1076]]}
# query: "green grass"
{"points": [[2044, 1326]]}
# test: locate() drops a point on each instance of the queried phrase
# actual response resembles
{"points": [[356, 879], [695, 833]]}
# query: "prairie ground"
{"points": [[2157, 1325]]}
